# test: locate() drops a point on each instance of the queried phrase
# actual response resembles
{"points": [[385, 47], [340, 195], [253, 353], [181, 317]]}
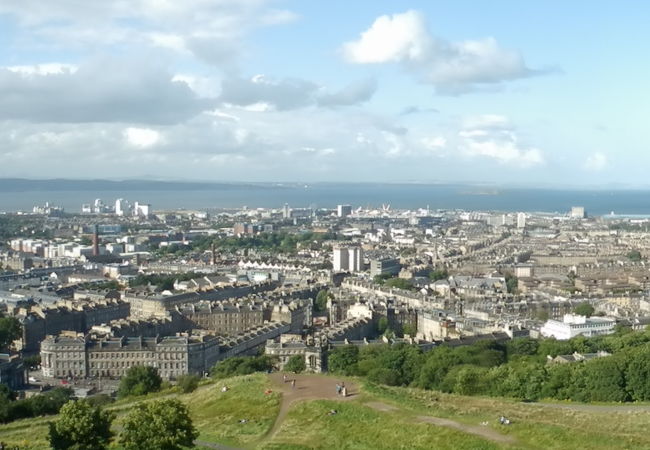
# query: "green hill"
{"points": [[376, 417]]}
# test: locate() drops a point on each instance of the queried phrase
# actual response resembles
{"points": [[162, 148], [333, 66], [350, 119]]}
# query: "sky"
{"points": [[528, 93]]}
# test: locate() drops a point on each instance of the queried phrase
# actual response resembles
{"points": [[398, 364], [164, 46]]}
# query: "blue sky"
{"points": [[526, 93]]}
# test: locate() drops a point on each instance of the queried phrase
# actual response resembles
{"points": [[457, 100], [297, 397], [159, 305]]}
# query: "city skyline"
{"points": [[260, 90]]}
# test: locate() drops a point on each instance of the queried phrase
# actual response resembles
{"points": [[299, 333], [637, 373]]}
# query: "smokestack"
{"points": [[95, 241], [214, 255]]}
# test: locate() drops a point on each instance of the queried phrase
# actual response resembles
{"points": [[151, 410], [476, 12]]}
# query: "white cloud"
{"points": [[493, 137], [212, 30], [396, 38], [101, 90], [43, 69], [141, 137], [435, 144], [595, 162], [262, 93], [352, 94], [452, 67]]}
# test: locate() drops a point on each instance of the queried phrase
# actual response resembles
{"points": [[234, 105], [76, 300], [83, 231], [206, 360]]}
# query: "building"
{"points": [[521, 220], [348, 258], [12, 371], [122, 207], [343, 210], [85, 356], [286, 211], [578, 212], [573, 325], [142, 210], [38, 321], [384, 266], [242, 228], [524, 270], [224, 318], [314, 355]]}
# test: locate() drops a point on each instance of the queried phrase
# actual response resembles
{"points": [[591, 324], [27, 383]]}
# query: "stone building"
{"points": [[145, 306], [224, 318], [12, 371], [85, 356], [39, 321], [314, 355]]}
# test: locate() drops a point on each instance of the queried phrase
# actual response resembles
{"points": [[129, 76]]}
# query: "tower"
{"points": [[95, 241]]}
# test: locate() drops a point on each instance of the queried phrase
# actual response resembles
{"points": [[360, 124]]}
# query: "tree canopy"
{"points": [[296, 364], [161, 424], [242, 365], [518, 368], [584, 309], [139, 380], [10, 330], [80, 426]]}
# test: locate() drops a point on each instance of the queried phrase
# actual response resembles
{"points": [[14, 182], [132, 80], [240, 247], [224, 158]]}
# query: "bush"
{"points": [[242, 365], [188, 383], [343, 360], [296, 364], [139, 380]]}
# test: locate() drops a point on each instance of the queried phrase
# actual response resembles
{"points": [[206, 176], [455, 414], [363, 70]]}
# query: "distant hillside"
{"points": [[25, 185]]}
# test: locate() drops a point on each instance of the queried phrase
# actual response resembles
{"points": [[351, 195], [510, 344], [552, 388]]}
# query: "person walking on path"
{"points": [[293, 383], [284, 377]]}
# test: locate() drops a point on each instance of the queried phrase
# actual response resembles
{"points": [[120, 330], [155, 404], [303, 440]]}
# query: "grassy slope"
{"points": [[355, 426], [534, 426], [216, 414], [308, 425]]}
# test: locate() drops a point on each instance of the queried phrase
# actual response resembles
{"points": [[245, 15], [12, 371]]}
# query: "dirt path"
{"points": [[308, 387], [481, 431]]}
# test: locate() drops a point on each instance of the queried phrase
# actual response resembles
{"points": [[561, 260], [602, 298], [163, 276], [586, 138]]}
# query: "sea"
{"points": [[206, 196]]}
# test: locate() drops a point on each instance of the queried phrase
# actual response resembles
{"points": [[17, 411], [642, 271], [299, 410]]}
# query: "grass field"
{"points": [[357, 425]]}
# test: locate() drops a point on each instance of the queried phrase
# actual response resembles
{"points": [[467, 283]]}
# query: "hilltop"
{"points": [[260, 411]]}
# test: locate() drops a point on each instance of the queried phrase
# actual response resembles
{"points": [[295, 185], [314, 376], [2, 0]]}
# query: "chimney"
{"points": [[95, 241]]}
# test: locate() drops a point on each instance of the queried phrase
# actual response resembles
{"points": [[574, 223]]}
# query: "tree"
{"points": [[439, 274], [399, 283], [382, 325], [344, 360], [635, 255], [81, 426], [584, 309], [638, 376], [321, 300], [161, 424], [512, 283], [188, 383], [139, 380], [10, 330], [409, 329], [32, 362], [242, 365], [296, 364]]}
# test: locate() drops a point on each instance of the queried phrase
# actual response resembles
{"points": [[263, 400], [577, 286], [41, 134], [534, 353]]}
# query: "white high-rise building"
{"points": [[141, 210], [521, 220], [343, 210], [348, 258], [286, 211], [99, 206], [122, 207], [578, 212]]}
